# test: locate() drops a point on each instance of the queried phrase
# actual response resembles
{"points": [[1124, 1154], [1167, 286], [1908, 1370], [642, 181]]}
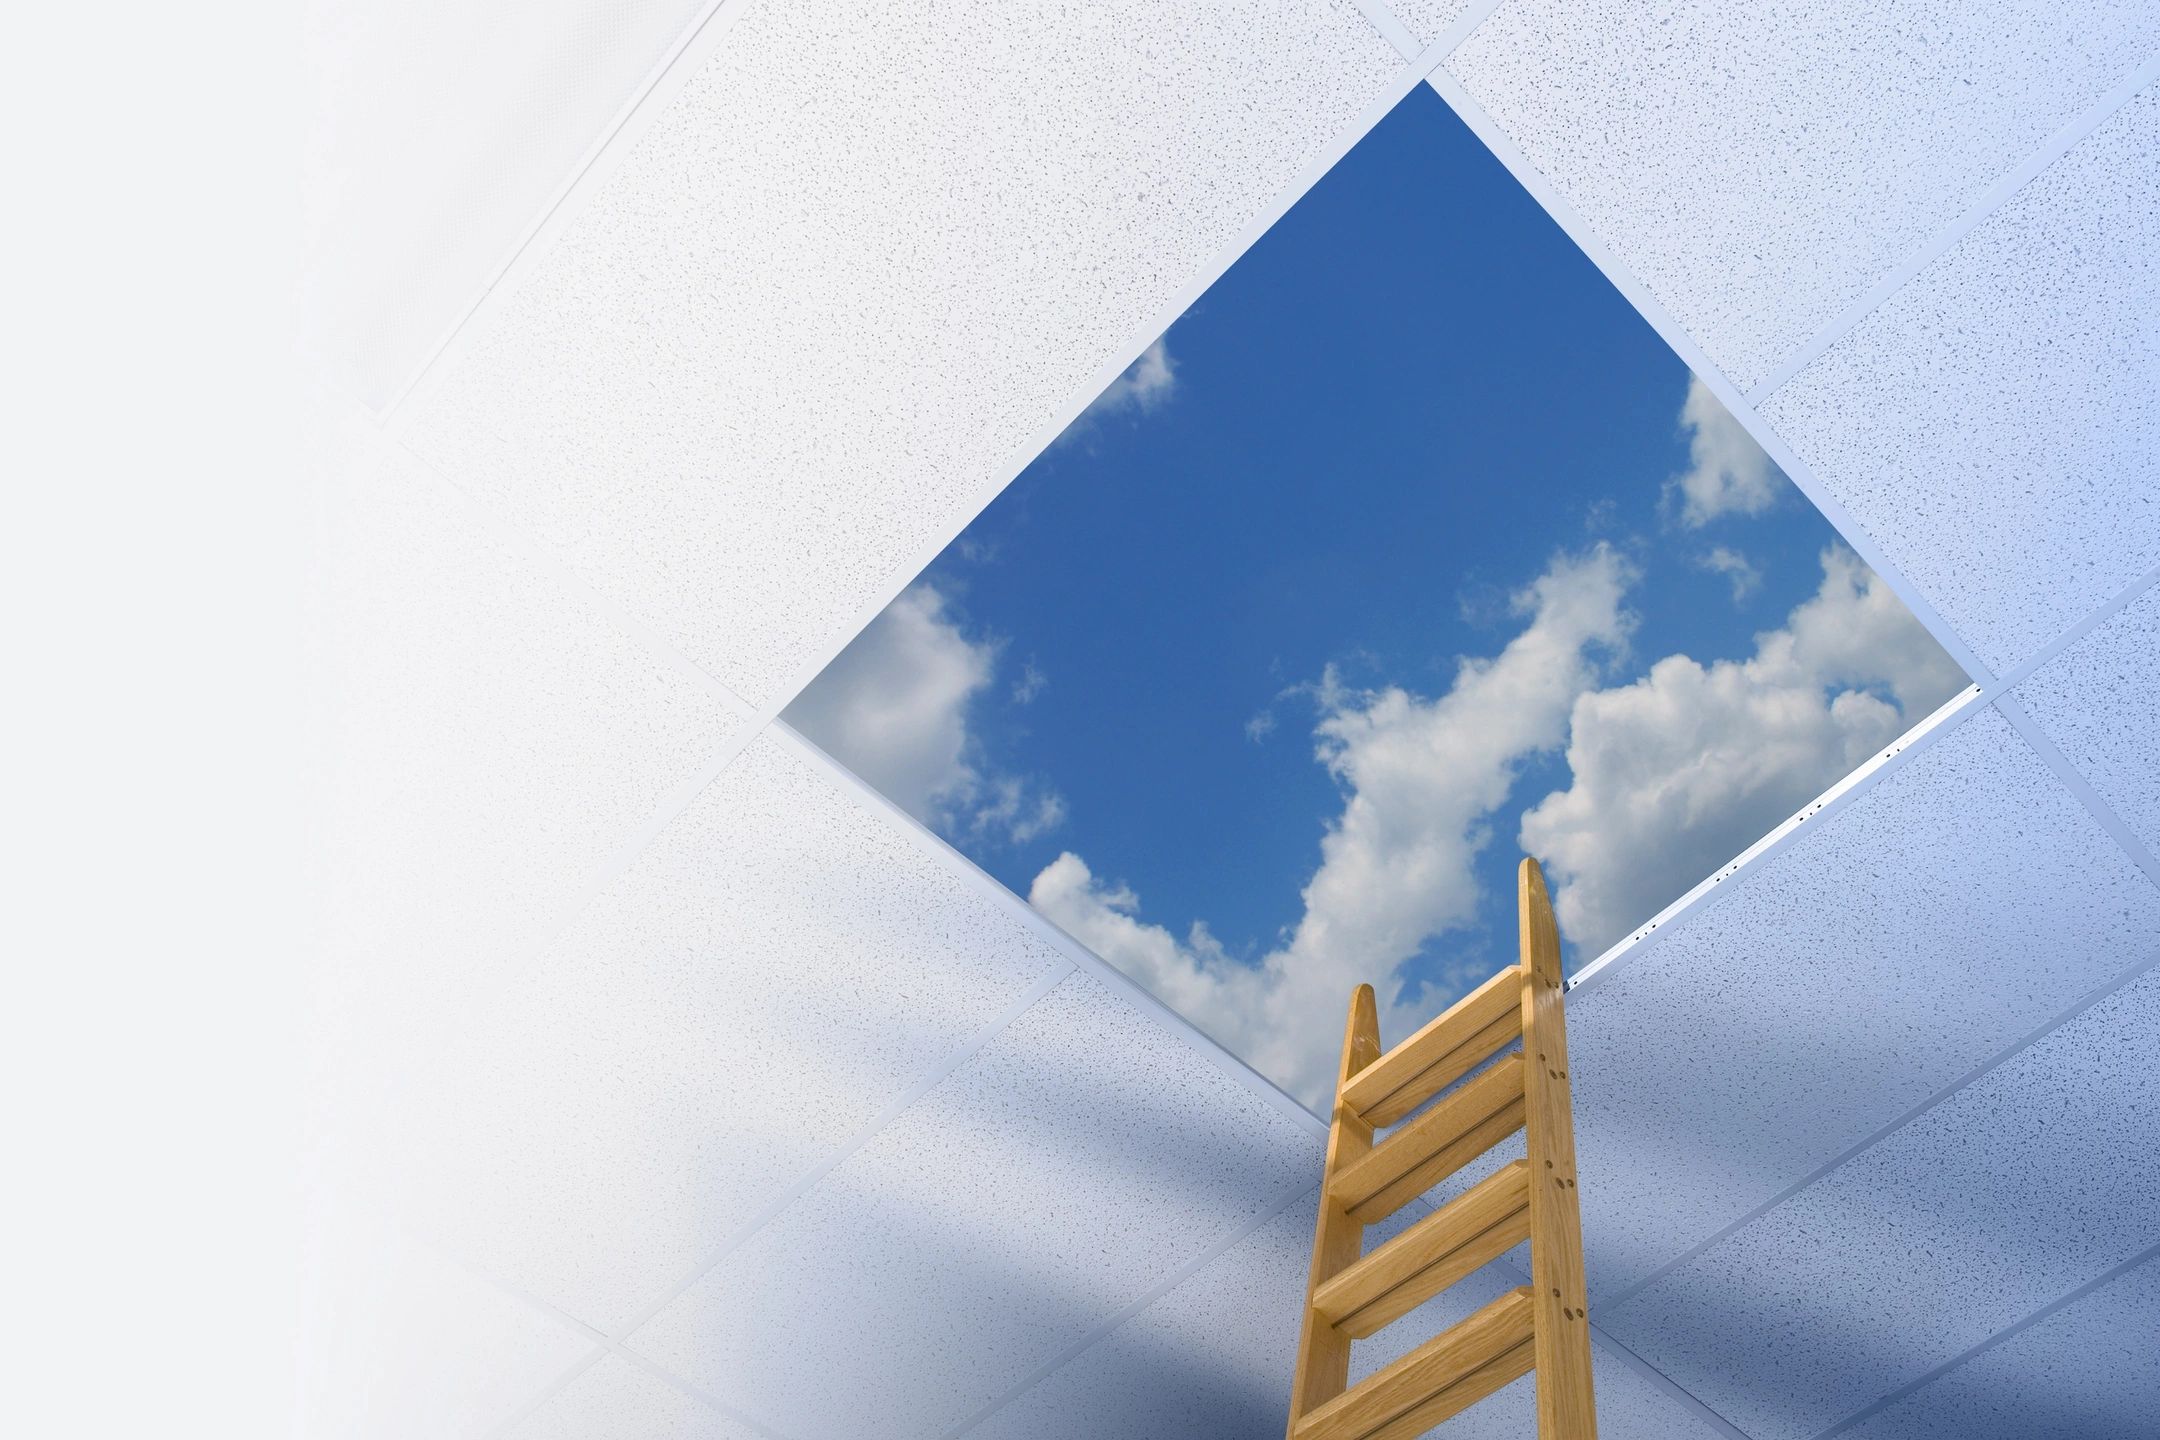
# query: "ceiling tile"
{"points": [[1760, 168], [1080, 1157], [776, 968], [402, 1342], [2086, 1370], [443, 130], [616, 1400], [1210, 1360], [850, 275], [1427, 19], [2100, 702], [1995, 425], [1954, 907], [2033, 1180], [488, 740]]}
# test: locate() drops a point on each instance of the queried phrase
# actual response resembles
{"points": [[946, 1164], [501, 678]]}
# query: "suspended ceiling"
{"points": [[677, 1085]]}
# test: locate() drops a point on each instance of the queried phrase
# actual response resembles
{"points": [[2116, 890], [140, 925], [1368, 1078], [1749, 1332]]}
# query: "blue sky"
{"points": [[1408, 547]]}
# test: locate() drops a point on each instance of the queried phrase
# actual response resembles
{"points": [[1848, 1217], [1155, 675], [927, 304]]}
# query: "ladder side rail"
{"points": [[1323, 1355], [1565, 1406]]}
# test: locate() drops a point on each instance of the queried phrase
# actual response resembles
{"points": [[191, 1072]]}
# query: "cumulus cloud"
{"points": [[1678, 772], [1737, 569], [1147, 385], [1728, 473], [894, 708], [1421, 779]]}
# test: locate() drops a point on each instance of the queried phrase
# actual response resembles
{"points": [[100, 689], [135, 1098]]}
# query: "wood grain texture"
{"points": [[1488, 1379], [1478, 1226], [1543, 1327], [1323, 1356], [1455, 1131], [1440, 1053], [1565, 1406], [1426, 1374]]}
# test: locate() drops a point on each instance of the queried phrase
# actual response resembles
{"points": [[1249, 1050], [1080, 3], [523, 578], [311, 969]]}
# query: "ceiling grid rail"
{"points": [[2099, 993], [668, 75], [1943, 241], [1954, 713], [1919, 1383]]}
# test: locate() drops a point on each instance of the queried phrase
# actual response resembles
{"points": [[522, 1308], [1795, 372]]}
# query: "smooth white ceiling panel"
{"points": [[2100, 702], [2034, 1180], [615, 1400], [776, 969], [490, 740], [404, 1342], [2086, 1370], [1995, 425], [1760, 169], [862, 268], [1057, 1177], [1950, 910]]}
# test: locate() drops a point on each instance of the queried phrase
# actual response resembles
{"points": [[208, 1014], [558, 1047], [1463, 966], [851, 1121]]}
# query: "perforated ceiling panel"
{"points": [[866, 265], [1992, 424], [683, 1087]]}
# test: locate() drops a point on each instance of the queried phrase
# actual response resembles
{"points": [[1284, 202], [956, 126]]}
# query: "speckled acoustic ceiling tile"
{"points": [[1426, 19], [842, 286], [773, 972], [1953, 908], [2086, 1370], [2099, 701], [1759, 168], [1995, 425], [1049, 1182], [2037, 1178]]}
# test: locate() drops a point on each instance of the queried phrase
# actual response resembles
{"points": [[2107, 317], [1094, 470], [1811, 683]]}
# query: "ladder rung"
{"points": [[1442, 1052], [1434, 1146], [1488, 1379], [1451, 1067], [1483, 1223], [1454, 1369]]}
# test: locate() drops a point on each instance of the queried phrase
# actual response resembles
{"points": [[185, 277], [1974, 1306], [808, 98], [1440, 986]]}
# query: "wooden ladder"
{"points": [[1542, 1326]]}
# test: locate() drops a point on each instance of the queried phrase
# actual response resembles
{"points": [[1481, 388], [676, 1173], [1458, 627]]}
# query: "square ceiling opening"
{"points": [[1409, 548]]}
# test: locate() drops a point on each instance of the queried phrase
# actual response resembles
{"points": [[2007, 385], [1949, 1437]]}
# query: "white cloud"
{"points": [[894, 708], [1678, 772], [1736, 568], [1147, 384], [1728, 473], [1421, 779]]}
